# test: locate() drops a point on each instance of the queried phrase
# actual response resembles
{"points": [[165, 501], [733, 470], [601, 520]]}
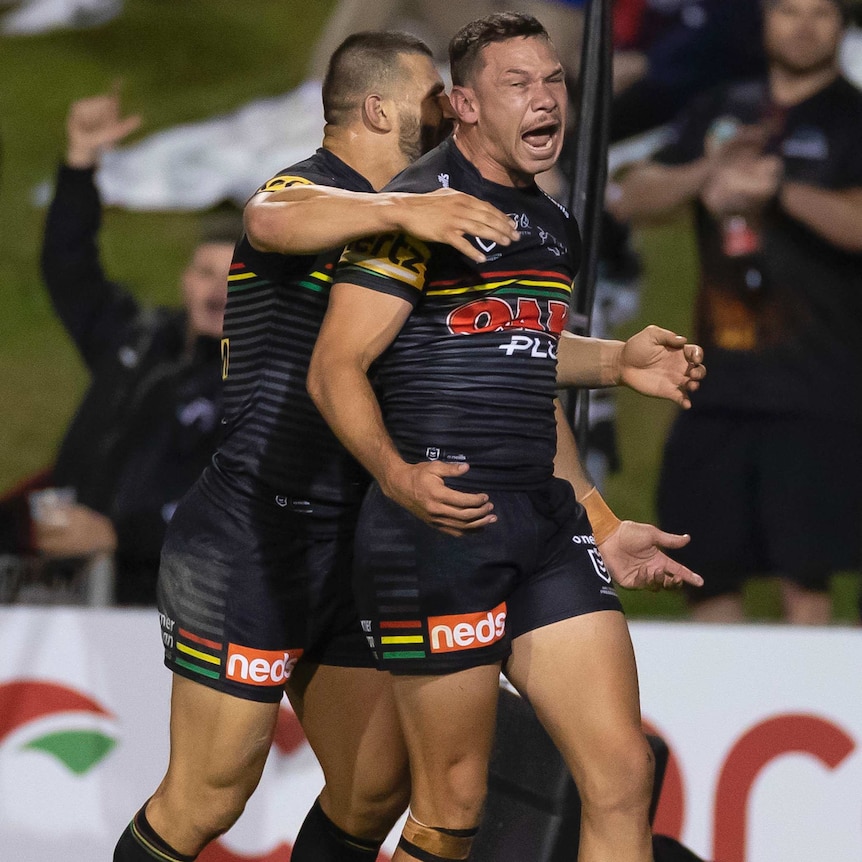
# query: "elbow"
{"points": [[264, 231], [254, 224], [315, 382]]}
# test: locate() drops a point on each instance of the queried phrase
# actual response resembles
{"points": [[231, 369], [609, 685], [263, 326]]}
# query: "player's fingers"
{"points": [[493, 219], [693, 353], [671, 540], [460, 243], [680, 573], [456, 526], [666, 337], [449, 496], [438, 508]]}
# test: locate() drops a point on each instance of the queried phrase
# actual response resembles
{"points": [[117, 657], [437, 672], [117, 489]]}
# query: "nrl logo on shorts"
{"points": [[599, 564], [443, 179]]}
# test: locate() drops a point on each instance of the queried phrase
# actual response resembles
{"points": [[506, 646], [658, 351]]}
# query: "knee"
{"points": [[621, 781], [370, 807], [453, 796], [205, 813]]}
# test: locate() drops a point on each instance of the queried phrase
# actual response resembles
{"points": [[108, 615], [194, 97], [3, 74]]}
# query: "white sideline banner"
{"points": [[764, 726]]}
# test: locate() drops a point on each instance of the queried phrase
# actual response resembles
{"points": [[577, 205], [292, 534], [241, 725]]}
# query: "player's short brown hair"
{"points": [[466, 46], [365, 63]]}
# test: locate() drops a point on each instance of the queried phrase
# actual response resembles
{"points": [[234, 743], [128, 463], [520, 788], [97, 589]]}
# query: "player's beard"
{"points": [[410, 138]]}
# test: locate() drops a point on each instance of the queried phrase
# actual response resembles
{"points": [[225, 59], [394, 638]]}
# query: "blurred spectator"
{"points": [[668, 51], [765, 470], [150, 418]]}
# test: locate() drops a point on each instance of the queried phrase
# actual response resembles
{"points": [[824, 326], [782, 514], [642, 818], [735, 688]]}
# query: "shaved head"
{"points": [[365, 63]]}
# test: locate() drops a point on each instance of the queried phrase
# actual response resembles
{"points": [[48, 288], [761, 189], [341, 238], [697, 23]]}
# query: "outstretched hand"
{"points": [[93, 125], [450, 216], [421, 489], [660, 363], [634, 557]]}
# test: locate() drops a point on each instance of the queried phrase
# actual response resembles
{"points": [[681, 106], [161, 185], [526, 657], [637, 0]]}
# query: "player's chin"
{"points": [[539, 157]]}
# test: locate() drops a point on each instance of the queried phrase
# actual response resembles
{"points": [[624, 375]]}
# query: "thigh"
{"points": [[351, 722], [218, 742], [448, 724], [580, 677]]}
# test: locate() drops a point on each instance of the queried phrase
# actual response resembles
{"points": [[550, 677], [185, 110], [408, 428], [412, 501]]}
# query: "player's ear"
{"points": [[377, 113], [464, 104]]}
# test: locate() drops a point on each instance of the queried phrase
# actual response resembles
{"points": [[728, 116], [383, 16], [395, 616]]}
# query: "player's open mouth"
{"points": [[541, 138]]}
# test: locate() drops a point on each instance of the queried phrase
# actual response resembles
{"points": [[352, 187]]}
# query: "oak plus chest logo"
{"points": [[498, 314]]}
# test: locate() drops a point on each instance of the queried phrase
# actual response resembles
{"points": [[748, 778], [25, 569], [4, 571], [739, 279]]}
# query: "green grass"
{"points": [[185, 61]]}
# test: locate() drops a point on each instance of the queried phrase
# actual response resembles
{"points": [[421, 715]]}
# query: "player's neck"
{"points": [[375, 157], [472, 149]]}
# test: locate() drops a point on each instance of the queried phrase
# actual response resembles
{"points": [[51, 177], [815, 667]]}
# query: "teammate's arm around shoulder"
{"points": [[359, 325], [308, 219]]}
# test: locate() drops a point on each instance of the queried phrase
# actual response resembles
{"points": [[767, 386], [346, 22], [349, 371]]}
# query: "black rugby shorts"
{"points": [[763, 495], [249, 586], [433, 603]]}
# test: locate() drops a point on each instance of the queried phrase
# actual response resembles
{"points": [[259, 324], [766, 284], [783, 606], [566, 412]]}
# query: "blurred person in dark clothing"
{"points": [[150, 418], [768, 462], [668, 51]]}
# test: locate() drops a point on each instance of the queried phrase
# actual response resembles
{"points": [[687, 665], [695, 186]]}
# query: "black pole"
{"points": [[589, 177]]}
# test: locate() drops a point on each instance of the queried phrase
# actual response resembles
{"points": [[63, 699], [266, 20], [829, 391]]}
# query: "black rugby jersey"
{"points": [[275, 441], [471, 376]]}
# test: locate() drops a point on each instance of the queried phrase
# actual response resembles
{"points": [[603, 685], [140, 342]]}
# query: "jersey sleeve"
{"points": [[392, 263]]}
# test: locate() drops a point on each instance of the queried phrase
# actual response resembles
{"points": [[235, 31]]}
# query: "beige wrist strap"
{"points": [[602, 519]]}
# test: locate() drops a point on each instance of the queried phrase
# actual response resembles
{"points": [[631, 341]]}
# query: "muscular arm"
{"points": [[567, 462], [590, 363], [654, 362], [305, 219], [834, 215], [359, 325]]}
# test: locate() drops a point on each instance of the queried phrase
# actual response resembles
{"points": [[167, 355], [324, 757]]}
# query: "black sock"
{"points": [[320, 840], [140, 843]]}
